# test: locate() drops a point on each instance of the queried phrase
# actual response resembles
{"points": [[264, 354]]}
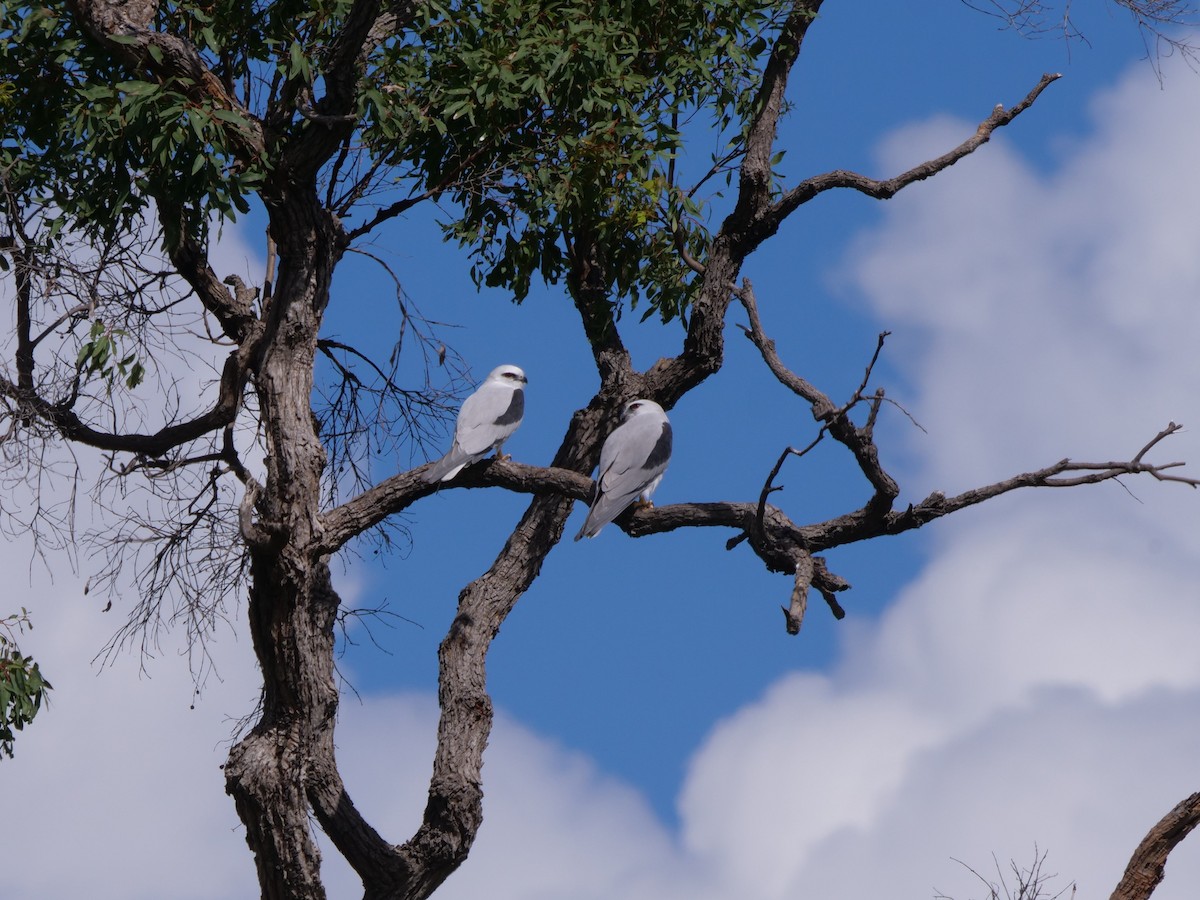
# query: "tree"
{"points": [[552, 131]]}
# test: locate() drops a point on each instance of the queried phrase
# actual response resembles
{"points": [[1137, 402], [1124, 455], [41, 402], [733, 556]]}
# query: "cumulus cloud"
{"points": [[1026, 689], [1036, 682], [116, 788], [1047, 312]]}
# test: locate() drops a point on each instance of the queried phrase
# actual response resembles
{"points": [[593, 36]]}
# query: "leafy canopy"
{"points": [[536, 124], [564, 123]]}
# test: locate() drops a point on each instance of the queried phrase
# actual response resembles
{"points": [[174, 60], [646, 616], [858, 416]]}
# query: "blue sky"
{"points": [[1001, 678], [631, 650]]}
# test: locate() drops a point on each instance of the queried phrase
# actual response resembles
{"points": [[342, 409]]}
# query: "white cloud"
{"points": [[1053, 313], [1050, 637], [1037, 683], [115, 789], [1026, 689], [779, 776], [1081, 779]]}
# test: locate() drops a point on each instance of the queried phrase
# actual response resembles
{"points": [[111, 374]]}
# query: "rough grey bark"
{"points": [[292, 604], [1147, 866]]}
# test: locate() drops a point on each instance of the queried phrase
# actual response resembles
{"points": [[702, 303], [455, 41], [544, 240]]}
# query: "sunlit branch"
{"points": [[937, 504], [400, 491], [860, 441], [1148, 864], [885, 189]]}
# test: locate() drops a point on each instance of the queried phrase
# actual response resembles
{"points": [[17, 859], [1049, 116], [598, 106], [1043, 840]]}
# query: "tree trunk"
{"points": [[292, 604]]}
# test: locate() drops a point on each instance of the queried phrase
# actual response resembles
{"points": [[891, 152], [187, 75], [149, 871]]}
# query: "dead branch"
{"points": [[937, 504], [793, 613], [859, 441], [1028, 882], [887, 188], [395, 494], [1148, 864], [782, 545]]}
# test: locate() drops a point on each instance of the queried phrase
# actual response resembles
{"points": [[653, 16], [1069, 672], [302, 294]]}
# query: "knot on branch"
{"points": [[257, 535], [243, 294], [777, 542]]}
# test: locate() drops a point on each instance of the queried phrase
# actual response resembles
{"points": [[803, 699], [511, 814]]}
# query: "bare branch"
{"points": [[1163, 23], [858, 441], [153, 444], [1029, 883], [793, 613], [828, 583], [397, 493], [1148, 864], [775, 538], [937, 505], [703, 348], [886, 189]]}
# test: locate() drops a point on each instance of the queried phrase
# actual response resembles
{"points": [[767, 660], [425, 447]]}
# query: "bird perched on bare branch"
{"points": [[632, 462], [487, 419]]}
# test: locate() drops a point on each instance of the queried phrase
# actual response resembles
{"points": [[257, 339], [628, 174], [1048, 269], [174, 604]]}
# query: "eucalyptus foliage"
{"points": [[22, 686], [567, 122], [535, 124]]}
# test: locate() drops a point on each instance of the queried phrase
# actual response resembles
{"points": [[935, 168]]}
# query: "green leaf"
{"points": [[233, 118]]}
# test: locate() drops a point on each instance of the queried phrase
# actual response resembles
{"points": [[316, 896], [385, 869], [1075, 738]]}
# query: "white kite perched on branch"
{"points": [[487, 419], [632, 462]]}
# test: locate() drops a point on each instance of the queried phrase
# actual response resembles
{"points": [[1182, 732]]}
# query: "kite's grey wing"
{"points": [[632, 463], [486, 420]]}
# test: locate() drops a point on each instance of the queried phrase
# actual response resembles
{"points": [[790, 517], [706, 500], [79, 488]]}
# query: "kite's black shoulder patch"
{"points": [[662, 450], [516, 409]]}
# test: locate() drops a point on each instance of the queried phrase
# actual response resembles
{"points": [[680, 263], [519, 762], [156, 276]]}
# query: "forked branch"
{"points": [[937, 504], [860, 441]]}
